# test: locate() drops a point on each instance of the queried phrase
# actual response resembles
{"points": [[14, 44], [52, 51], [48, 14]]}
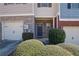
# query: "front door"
{"points": [[39, 30]]}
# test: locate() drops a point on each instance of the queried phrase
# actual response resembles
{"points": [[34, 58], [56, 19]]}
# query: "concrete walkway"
{"points": [[8, 46], [44, 40]]}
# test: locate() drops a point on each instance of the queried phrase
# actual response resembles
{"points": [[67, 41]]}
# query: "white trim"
{"points": [[17, 15], [2, 31], [46, 16], [68, 19], [57, 22]]}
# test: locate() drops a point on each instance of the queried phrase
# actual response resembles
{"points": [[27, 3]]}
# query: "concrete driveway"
{"points": [[8, 46]]}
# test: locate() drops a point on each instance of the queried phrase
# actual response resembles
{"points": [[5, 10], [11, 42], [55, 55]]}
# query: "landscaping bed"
{"points": [[34, 47]]}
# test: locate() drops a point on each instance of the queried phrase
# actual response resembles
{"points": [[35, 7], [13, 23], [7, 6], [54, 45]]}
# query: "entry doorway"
{"points": [[42, 27], [42, 30], [39, 30]]}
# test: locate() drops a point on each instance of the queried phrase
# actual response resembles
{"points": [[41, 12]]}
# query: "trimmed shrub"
{"points": [[35, 47], [53, 50], [30, 48], [27, 36], [56, 36], [74, 49]]}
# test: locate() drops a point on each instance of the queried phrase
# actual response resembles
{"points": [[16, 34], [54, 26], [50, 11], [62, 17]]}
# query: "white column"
{"points": [[57, 22], [1, 20], [53, 22]]}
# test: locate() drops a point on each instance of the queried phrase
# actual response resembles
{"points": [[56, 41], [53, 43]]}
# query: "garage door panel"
{"points": [[13, 30], [72, 34]]}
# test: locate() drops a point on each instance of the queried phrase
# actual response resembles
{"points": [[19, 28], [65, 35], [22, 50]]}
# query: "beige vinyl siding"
{"points": [[16, 9], [46, 11]]}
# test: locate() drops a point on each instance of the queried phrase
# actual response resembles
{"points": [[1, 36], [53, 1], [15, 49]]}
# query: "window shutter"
{"points": [[50, 4], [78, 5], [38, 4], [69, 5]]}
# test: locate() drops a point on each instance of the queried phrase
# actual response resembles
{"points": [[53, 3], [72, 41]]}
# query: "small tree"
{"points": [[56, 36]]}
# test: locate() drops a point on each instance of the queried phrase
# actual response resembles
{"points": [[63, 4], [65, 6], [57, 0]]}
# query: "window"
{"points": [[20, 3], [27, 28], [13, 3], [44, 4], [73, 5], [8, 3]]}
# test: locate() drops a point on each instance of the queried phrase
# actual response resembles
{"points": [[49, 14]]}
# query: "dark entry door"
{"points": [[39, 30]]}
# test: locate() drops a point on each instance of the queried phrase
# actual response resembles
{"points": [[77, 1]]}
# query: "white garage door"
{"points": [[72, 34], [12, 30]]}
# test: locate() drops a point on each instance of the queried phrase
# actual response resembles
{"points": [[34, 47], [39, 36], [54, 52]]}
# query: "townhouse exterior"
{"points": [[16, 18], [69, 21], [38, 18]]}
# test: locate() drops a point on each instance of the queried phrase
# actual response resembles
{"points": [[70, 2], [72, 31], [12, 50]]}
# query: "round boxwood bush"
{"points": [[54, 50], [30, 47], [74, 49], [56, 36]]}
